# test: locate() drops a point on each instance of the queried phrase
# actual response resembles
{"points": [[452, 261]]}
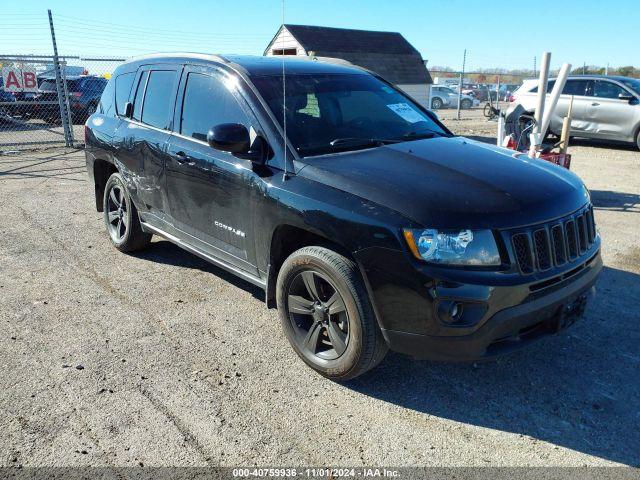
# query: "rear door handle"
{"points": [[595, 104], [181, 157]]}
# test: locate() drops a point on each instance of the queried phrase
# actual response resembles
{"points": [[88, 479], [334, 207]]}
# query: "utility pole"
{"points": [[534, 65], [606, 70], [584, 68], [464, 61], [60, 88]]}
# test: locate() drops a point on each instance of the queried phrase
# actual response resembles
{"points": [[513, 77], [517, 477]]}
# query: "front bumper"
{"points": [[512, 315]]}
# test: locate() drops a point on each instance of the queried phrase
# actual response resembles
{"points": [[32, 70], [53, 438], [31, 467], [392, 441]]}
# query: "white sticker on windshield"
{"points": [[407, 112]]}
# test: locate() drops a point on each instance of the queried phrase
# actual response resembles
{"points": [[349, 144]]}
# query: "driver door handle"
{"points": [[595, 104]]}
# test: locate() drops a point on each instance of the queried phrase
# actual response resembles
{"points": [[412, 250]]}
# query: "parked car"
{"points": [[84, 95], [370, 225], [604, 107], [439, 98], [8, 107], [447, 97]]}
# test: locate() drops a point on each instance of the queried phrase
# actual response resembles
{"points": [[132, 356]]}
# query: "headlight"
{"points": [[464, 247]]}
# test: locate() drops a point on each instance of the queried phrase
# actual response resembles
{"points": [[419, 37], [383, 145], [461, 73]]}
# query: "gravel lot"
{"points": [[159, 358]]}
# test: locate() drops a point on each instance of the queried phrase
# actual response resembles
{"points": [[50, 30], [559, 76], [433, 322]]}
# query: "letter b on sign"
{"points": [[29, 80]]}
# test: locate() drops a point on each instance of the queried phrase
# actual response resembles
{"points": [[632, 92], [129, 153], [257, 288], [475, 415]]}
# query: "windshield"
{"points": [[632, 83], [337, 112]]}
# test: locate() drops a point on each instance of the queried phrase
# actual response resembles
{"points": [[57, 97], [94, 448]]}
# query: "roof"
{"points": [[388, 54], [250, 64]]}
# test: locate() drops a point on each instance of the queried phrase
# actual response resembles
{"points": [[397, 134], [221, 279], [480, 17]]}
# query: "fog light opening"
{"points": [[450, 311]]}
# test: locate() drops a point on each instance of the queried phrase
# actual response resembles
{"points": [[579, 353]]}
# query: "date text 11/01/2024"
{"points": [[315, 472]]}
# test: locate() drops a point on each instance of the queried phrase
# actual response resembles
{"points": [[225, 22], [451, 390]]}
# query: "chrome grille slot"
{"points": [[582, 233], [572, 240], [542, 250], [559, 251], [522, 249]]}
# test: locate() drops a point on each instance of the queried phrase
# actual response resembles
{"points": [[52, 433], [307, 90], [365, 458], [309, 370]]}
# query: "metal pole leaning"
{"points": [[62, 101]]}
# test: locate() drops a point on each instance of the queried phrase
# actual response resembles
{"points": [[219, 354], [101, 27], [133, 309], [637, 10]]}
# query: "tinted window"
{"points": [[575, 87], [158, 98], [137, 104], [208, 102], [606, 89], [48, 85], [550, 85], [123, 90]]}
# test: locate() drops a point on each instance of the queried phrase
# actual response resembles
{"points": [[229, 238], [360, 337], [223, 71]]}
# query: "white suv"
{"points": [[604, 107]]}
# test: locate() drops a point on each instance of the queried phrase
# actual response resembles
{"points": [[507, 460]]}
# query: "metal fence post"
{"points": [[60, 88], [464, 60]]}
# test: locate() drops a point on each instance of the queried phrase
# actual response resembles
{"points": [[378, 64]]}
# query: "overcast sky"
{"points": [[496, 33]]}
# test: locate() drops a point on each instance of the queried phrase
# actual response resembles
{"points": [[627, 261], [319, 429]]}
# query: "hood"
{"points": [[453, 183]]}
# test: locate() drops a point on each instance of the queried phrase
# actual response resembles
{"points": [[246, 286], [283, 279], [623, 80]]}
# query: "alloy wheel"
{"points": [[117, 213], [318, 315]]}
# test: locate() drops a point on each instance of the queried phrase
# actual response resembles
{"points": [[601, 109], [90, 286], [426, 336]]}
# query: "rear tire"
{"points": [[436, 103], [326, 314], [121, 217], [638, 140]]}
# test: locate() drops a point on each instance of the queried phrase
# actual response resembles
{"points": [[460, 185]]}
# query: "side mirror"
{"points": [[128, 109], [626, 96], [229, 137]]}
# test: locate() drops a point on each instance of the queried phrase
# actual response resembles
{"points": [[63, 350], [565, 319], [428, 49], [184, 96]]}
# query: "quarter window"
{"points": [[158, 99], [208, 102], [123, 89]]}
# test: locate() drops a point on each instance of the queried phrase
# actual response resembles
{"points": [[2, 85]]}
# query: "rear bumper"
{"points": [[508, 329]]}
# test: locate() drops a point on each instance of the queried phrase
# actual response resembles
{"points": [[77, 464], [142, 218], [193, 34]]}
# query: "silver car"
{"points": [[604, 107], [447, 97]]}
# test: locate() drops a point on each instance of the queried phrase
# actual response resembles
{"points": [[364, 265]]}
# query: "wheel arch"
{"points": [[285, 240], [102, 170]]}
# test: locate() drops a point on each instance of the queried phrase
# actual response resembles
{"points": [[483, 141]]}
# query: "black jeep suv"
{"points": [[369, 225]]}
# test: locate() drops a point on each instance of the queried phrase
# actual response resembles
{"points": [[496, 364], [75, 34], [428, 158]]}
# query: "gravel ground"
{"points": [[162, 359]]}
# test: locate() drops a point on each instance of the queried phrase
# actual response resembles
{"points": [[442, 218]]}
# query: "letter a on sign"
{"points": [[12, 80]]}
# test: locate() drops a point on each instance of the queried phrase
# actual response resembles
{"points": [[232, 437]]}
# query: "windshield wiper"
{"points": [[355, 142], [414, 135]]}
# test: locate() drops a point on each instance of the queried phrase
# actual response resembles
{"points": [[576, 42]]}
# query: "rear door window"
{"points": [[137, 103], [576, 87], [159, 98]]}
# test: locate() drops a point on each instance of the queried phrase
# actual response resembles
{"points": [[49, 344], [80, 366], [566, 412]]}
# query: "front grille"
{"points": [[522, 249], [541, 247], [543, 252]]}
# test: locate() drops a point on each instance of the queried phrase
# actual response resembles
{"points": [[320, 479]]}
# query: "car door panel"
{"points": [[141, 148], [210, 192], [611, 117]]}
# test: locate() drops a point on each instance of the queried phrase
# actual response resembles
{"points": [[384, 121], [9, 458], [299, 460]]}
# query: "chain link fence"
{"points": [[41, 105], [478, 90]]}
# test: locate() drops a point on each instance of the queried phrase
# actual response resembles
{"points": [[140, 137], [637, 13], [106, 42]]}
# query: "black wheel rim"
{"points": [[117, 211], [318, 316]]}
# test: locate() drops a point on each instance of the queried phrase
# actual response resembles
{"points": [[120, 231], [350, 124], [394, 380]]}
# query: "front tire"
{"points": [[326, 314], [638, 140], [121, 217], [466, 104]]}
